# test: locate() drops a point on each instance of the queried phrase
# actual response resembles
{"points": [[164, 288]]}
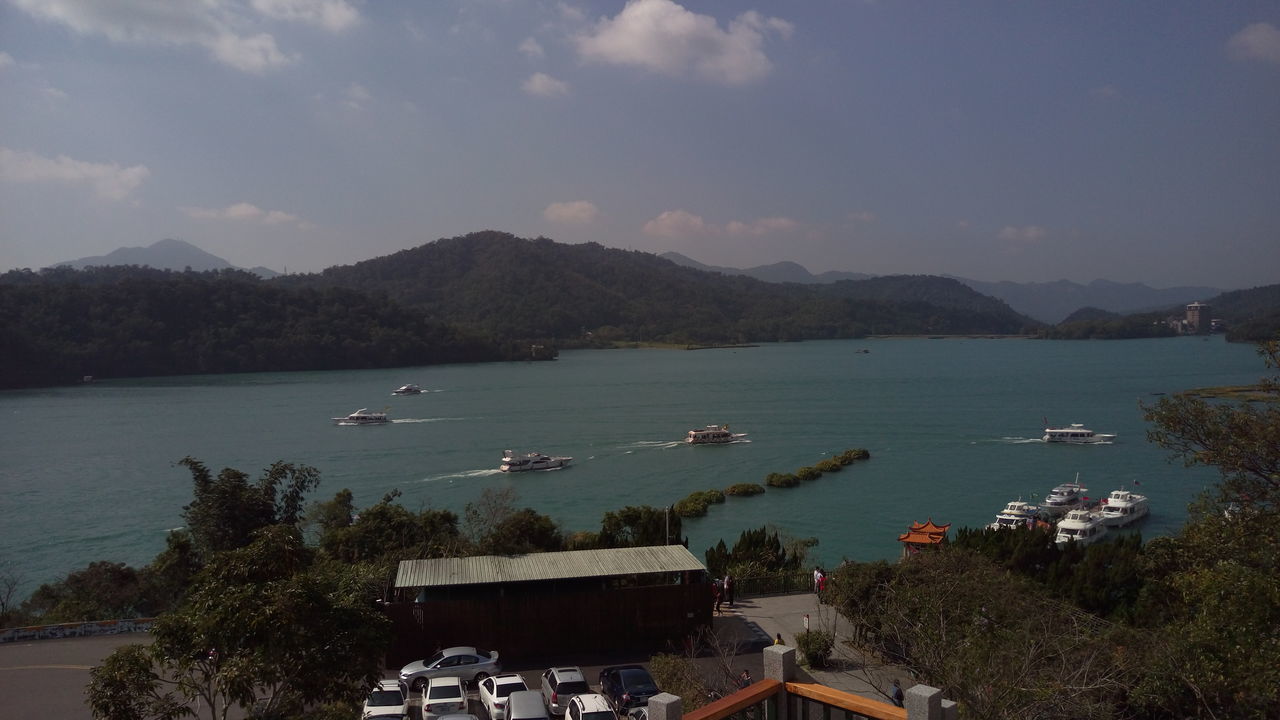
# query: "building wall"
{"points": [[536, 619]]}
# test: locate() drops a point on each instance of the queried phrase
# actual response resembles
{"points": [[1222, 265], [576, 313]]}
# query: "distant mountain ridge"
{"points": [[167, 254], [1050, 302]]}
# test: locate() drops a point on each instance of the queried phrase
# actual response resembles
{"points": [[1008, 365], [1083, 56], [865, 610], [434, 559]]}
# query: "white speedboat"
{"points": [[1081, 526], [407, 390], [712, 435], [1064, 498], [363, 416], [1123, 508], [1017, 514], [1076, 433], [521, 462]]}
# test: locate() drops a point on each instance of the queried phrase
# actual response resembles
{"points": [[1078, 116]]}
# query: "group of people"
{"points": [[819, 581], [722, 590]]}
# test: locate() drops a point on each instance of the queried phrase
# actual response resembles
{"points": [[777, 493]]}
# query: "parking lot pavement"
{"points": [[47, 678]]}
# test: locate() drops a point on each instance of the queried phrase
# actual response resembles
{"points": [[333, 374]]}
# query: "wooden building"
{"points": [[922, 536], [556, 603]]}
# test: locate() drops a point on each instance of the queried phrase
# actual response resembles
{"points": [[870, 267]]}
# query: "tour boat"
{"points": [[712, 435], [363, 417], [407, 390], [1016, 514], [1076, 433], [1123, 507], [1064, 498], [520, 462], [1080, 526]]}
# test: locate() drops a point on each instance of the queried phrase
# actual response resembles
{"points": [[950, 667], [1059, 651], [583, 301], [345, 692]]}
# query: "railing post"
{"points": [[950, 710], [923, 703], [665, 706], [780, 664]]}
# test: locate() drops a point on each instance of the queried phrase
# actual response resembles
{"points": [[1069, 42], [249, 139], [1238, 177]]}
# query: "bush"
{"points": [[696, 504], [848, 456], [808, 473], [679, 676], [829, 465], [782, 481], [815, 647], [744, 489]]}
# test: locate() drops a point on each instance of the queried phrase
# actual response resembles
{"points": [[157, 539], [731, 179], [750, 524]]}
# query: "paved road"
{"points": [[46, 678]]}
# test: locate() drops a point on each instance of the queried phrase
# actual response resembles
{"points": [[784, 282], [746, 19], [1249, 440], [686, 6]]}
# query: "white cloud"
{"points": [[1259, 41], [664, 37], [1025, 234], [543, 85], [576, 212], [356, 96], [245, 212], [332, 15], [216, 25], [109, 181], [6, 60], [531, 48], [684, 224], [53, 94]]}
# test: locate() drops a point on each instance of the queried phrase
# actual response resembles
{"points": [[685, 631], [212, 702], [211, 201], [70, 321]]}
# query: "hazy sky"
{"points": [[1026, 141]]}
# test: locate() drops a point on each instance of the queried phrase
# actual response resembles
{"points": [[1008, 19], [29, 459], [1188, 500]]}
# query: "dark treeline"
{"points": [[512, 287], [59, 325]]}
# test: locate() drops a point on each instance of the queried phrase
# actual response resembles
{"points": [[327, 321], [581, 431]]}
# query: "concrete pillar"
{"points": [[665, 706], [780, 663], [950, 710], [923, 703]]}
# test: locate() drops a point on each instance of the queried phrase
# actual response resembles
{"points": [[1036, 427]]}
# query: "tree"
{"points": [[639, 525], [228, 509], [494, 526], [389, 532], [265, 627]]}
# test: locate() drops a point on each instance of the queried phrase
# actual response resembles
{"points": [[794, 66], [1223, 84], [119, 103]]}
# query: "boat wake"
{"points": [[405, 421], [652, 444], [1020, 440], [465, 474]]}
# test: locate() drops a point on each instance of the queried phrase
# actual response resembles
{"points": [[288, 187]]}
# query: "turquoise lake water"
{"points": [[89, 473]]}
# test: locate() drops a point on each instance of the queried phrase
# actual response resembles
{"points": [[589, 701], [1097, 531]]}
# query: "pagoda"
{"points": [[922, 536]]}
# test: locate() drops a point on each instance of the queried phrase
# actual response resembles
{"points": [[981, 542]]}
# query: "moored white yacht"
{"points": [[712, 435], [1080, 526], [1017, 514], [1076, 433], [520, 462], [1064, 498], [1123, 507], [363, 416]]}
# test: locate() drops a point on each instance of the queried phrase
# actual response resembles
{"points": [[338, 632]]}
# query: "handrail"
{"points": [[847, 701], [753, 694]]}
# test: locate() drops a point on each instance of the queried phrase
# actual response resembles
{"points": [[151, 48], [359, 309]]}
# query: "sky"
{"points": [[1026, 141]]}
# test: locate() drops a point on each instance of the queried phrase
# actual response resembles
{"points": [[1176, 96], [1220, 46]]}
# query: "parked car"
{"points": [[443, 696], [465, 662], [627, 686], [493, 692], [560, 684], [386, 700], [590, 706], [526, 705]]}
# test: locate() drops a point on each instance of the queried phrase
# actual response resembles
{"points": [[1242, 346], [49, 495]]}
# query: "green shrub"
{"points": [[815, 647], [781, 480], [744, 489], [848, 456], [680, 676], [808, 473], [713, 496], [829, 465], [695, 505]]}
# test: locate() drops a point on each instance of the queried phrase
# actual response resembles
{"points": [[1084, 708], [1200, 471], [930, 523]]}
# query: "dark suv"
{"points": [[627, 686]]}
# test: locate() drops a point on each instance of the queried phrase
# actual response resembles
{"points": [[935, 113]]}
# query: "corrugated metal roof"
{"points": [[487, 569]]}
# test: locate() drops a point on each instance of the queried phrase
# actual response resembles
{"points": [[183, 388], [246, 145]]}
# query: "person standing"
{"points": [[715, 588], [728, 588]]}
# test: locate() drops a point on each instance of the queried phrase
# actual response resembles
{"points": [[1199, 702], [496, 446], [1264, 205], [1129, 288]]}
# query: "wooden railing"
{"points": [[805, 701]]}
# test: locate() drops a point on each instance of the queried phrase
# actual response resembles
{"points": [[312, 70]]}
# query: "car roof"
{"points": [[622, 667], [591, 702], [508, 677], [445, 680], [568, 673], [459, 650], [387, 685]]}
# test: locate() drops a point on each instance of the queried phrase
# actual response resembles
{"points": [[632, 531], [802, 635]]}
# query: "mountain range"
{"points": [[1048, 302]]}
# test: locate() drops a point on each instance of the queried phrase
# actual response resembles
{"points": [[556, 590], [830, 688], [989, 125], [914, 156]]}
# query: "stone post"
{"points": [[665, 706], [923, 703], [780, 665], [950, 710]]}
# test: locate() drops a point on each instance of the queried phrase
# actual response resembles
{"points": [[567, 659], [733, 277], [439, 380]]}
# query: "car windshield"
{"points": [[386, 697], [506, 688], [433, 659], [444, 692], [599, 715], [571, 687], [637, 681], [484, 654]]}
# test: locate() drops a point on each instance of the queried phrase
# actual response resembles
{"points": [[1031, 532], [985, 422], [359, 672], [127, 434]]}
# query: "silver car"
{"points": [[468, 663], [560, 685]]}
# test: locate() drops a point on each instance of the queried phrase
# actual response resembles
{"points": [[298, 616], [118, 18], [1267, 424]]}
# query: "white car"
{"points": [[494, 690], [443, 696], [386, 700], [465, 662], [590, 706]]}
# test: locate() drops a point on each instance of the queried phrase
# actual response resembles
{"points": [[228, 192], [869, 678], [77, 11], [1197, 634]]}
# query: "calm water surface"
{"points": [[88, 473]]}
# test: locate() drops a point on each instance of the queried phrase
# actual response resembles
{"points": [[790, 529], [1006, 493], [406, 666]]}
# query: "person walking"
{"points": [[777, 639], [718, 595]]}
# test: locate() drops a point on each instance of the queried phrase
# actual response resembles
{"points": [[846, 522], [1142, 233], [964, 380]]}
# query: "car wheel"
{"points": [[418, 684], [480, 676]]}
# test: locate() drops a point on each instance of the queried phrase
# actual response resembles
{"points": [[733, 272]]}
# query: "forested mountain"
{"points": [[60, 324], [511, 287], [1251, 315], [168, 254]]}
